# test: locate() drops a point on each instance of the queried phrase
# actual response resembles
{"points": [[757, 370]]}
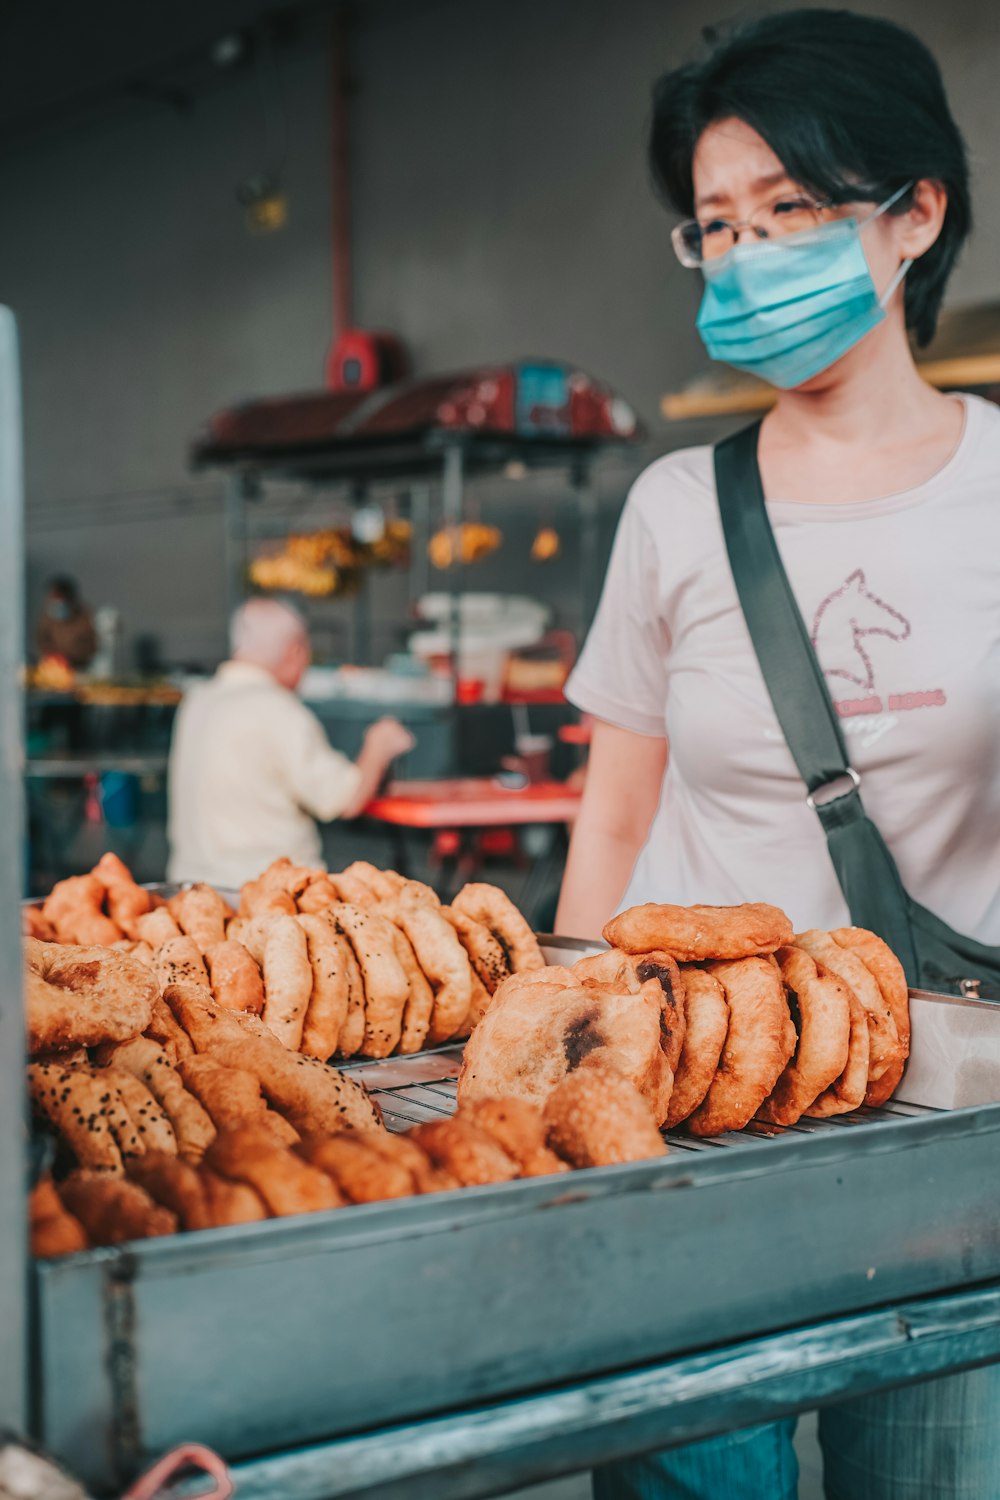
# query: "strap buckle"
{"points": [[827, 793]]}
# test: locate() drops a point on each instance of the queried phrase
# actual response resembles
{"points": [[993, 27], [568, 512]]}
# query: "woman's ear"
{"points": [[920, 225]]}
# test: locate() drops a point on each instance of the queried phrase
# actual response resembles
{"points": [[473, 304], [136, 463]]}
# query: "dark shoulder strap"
{"points": [[791, 670]]}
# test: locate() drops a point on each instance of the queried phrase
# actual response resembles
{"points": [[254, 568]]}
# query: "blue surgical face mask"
{"points": [[786, 309]]}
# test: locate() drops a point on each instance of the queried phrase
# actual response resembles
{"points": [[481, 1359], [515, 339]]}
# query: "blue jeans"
{"points": [[936, 1441]]}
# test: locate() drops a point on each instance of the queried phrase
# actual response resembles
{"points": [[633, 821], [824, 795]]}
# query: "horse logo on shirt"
{"points": [[843, 623]]}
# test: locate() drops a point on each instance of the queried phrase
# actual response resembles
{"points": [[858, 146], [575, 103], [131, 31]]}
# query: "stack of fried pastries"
{"points": [[718, 1015], [360, 963], [251, 1171]]}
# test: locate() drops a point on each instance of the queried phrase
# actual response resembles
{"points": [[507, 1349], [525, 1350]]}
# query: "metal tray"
{"points": [[286, 1333]]}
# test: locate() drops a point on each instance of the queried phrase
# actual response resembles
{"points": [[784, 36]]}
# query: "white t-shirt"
{"points": [[902, 599], [250, 769]]}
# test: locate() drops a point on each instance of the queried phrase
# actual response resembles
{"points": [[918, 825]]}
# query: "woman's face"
{"points": [[736, 173]]}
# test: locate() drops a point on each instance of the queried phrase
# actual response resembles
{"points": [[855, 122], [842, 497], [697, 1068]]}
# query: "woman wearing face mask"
{"points": [[824, 188], [65, 627]]}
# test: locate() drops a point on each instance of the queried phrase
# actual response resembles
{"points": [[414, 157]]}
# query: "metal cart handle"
{"points": [[187, 1456]]}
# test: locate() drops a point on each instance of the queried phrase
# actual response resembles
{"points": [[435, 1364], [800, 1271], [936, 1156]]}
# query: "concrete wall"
{"points": [[502, 209]]}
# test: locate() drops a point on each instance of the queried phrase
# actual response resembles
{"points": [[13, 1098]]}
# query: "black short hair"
{"points": [[853, 106], [64, 587]]}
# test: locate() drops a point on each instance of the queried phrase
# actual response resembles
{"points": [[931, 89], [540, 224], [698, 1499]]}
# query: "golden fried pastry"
{"points": [[113, 1210], [383, 884], [74, 1102], [126, 901], [352, 1032], [231, 1097], [228, 1202], [419, 1005], [848, 1091], [629, 972], [318, 896], [53, 1229], [150, 1124], [355, 890], [179, 961], [157, 927], [535, 1033], [886, 1057], [258, 899], [288, 980], [316, 1098], [148, 1061], [486, 955], [164, 1029], [79, 997], [235, 978], [386, 987], [427, 1178], [173, 1184], [443, 960], [34, 925], [706, 1015], [820, 1005], [596, 1118], [200, 912], [251, 933], [519, 1127], [283, 875], [360, 1172], [494, 909], [138, 949], [111, 871], [465, 1150], [887, 971], [479, 1004], [286, 1184], [326, 1011], [759, 1043], [74, 909], [692, 934]]}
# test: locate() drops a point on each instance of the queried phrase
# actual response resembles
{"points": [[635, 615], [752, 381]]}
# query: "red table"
{"points": [[465, 804]]}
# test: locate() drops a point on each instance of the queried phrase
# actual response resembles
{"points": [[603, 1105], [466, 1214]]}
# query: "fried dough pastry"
{"points": [[386, 987], [229, 1202], [164, 1029], [426, 1176], [148, 1062], [138, 949], [759, 1043], [235, 978], [173, 1184], [353, 889], [53, 1229], [285, 1183], [479, 1004], [706, 1014], [34, 925], [326, 1011], [283, 875], [288, 980], [467, 1152], [443, 960], [258, 899], [231, 1097], [629, 972], [692, 934], [519, 1127], [419, 1002], [534, 1034], [126, 900], [318, 896], [360, 1172], [113, 1210], [79, 997], [486, 955], [157, 927], [595, 1118], [495, 910], [886, 1057], [352, 1032], [200, 912], [887, 972], [821, 1008], [179, 961], [384, 885], [251, 933], [317, 1099], [151, 1125], [848, 1091], [74, 1102], [74, 909]]}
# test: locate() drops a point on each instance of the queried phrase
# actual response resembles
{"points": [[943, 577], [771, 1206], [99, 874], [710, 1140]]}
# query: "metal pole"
{"points": [[13, 1236]]}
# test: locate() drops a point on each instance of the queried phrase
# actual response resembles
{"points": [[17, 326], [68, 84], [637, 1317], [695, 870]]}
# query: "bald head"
{"points": [[272, 635]]}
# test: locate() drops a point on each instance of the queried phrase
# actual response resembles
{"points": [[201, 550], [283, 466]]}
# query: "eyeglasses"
{"points": [[694, 242]]}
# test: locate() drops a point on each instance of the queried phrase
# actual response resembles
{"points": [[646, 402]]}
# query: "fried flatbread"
{"points": [[820, 1005], [759, 1043], [692, 934]]}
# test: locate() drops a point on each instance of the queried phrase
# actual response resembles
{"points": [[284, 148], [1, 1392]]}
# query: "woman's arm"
{"points": [[621, 794]]}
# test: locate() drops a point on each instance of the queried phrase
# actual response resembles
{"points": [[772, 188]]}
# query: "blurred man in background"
{"points": [[65, 627], [251, 768]]}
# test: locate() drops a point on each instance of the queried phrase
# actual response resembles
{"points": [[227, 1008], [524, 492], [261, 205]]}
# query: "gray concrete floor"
{"points": [[577, 1487]]}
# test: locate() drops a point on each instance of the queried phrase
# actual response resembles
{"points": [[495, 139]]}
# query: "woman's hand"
{"points": [[620, 797]]}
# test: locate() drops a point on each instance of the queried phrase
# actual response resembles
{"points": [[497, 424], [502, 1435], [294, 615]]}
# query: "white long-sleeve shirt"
{"points": [[251, 769]]}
